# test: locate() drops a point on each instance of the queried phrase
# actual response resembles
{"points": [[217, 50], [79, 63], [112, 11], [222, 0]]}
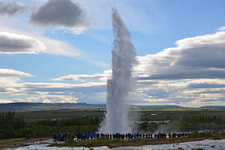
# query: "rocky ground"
{"points": [[43, 143], [24, 143]]}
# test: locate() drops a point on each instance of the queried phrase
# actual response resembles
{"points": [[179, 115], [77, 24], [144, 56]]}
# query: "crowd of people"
{"points": [[128, 136], [61, 136]]}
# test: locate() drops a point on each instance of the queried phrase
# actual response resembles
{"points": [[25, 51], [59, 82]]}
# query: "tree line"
{"points": [[8, 121], [9, 124], [203, 119], [16, 127]]}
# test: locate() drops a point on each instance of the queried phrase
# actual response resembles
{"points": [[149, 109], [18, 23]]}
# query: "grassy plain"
{"points": [[34, 116], [141, 113], [33, 124]]}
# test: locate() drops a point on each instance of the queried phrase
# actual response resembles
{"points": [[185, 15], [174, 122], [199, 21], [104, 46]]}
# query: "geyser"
{"points": [[121, 82]]}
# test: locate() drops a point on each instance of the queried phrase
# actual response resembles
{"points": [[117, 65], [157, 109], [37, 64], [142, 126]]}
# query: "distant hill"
{"points": [[213, 107], [20, 107], [24, 106], [162, 106]]}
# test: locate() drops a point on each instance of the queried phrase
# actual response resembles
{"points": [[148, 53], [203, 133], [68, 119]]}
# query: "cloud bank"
{"points": [[190, 74], [193, 58], [196, 92], [9, 80]]}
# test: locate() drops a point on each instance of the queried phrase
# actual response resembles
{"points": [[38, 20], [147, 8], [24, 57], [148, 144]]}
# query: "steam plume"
{"points": [[121, 82]]}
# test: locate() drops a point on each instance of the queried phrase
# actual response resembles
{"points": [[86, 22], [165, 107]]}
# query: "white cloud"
{"points": [[186, 93], [51, 46], [13, 43], [191, 73], [82, 77], [9, 80], [61, 85], [53, 99], [149, 92], [92, 92], [10, 100], [222, 28], [193, 58], [7, 73], [62, 48], [197, 57], [6, 101]]}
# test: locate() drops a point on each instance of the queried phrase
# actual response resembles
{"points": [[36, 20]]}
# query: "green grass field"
{"points": [[162, 114]]}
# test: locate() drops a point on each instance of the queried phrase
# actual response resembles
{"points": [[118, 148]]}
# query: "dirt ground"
{"points": [[24, 143]]}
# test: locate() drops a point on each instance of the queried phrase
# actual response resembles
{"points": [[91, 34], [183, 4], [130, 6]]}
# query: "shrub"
{"points": [[2, 136], [198, 135], [71, 138], [8, 134]]}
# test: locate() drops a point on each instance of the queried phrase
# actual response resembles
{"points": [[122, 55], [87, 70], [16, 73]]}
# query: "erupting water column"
{"points": [[121, 81]]}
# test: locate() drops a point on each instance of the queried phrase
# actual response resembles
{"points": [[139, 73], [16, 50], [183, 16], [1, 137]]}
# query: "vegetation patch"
{"points": [[11, 140], [198, 135]]}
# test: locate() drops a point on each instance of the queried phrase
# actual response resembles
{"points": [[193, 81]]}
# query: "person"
{"points": [[169, 135], [61, 136], [117, 135], [164, 135], [123, 136], [182, 135], [83, 136], [91, 135], [94, 135], [78, 136], [97, 135], [87, 136], [114, 136], [54, 137], [135, 135]]}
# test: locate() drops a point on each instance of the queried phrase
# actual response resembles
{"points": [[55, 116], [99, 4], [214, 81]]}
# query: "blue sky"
{"points": [[60, 51]]}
